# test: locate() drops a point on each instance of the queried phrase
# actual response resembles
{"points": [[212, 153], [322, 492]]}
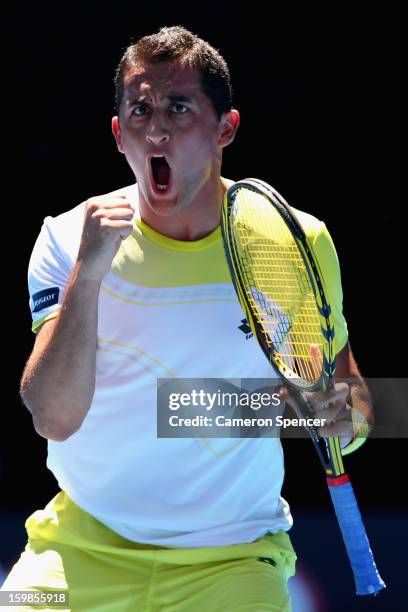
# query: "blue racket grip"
{"points": [[368, 580]]}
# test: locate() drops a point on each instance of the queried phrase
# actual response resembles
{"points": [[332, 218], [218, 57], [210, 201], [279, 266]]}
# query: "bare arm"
{"points": [[359, 402], [347, 407], [58, 382], [353, 409], [59, 378]]}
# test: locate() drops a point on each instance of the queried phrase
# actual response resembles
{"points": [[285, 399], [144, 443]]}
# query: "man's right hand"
{"points": [[108, 221]]}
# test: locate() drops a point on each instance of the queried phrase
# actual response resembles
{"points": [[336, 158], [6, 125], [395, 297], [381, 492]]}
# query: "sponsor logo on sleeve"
{"points": [[46, 297]]}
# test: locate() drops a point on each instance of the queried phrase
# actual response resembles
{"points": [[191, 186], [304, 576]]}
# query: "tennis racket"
{"points": [[281, 290]]}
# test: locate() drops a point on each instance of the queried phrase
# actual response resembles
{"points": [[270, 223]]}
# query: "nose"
{"points": [[157, 133]]}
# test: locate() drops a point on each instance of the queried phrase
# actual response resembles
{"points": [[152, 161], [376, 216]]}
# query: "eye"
{"points": [[139, 110], [179, 108]]}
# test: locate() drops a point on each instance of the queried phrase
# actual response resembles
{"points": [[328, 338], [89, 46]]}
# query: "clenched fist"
{"points": [[108, 221]]}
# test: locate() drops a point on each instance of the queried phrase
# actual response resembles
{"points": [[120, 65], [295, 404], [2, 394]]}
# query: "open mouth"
{"points": [[161, 173]]}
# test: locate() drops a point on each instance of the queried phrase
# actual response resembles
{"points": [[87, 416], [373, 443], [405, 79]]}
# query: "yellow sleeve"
{"points": [[37, 324], [357, 441], [326, 255], [329, 264]]}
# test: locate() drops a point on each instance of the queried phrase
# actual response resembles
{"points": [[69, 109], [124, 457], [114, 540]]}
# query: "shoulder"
{"points": [[321, 241], [312, 226]]}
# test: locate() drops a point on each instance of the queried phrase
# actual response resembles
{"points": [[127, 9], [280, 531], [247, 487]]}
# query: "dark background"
{"points": [[319, 96]]}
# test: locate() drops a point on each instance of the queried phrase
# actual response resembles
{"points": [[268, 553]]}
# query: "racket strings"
{"points": [[277, 285]]}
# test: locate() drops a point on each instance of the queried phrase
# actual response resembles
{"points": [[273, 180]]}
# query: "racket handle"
{"points": [[366, 577]]}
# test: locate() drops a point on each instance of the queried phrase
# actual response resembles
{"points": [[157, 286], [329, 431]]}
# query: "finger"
{"points": [[113, 213], [118, 202], [110, 202], [322, 399], [333, 411], [342, 429], [111, 196], [285, 395], [116, 225], [316, 358]]}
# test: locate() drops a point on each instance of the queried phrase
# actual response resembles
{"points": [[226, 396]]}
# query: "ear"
{"points": [[116, 133], [229, 124]]}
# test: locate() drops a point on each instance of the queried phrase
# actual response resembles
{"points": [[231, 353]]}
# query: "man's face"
{"points": [[165, 113]]}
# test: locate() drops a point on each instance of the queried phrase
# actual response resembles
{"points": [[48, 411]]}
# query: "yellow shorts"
{"points": [[69, 550]]}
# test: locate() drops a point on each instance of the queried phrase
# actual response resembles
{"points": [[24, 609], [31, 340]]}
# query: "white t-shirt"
{"points": [[167, 309]]}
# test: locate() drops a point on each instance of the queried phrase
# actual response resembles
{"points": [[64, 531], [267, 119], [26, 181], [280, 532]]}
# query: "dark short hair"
{"points": [[178, 44]]}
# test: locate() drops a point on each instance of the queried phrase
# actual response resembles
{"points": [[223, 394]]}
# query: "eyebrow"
{"points": [[171, 98]]}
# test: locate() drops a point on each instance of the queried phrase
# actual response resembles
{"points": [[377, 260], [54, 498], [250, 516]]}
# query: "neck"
{"points": [[197, 220]]}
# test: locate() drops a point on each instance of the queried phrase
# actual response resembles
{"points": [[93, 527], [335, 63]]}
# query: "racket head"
{"points": [[278, 283]]}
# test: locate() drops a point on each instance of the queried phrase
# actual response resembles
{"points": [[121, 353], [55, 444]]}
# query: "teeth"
{"points": [[162, 187], [157, 155]]}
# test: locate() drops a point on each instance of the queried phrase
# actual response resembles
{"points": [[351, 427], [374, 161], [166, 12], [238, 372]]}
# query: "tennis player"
{"points": [[133, 286]]}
